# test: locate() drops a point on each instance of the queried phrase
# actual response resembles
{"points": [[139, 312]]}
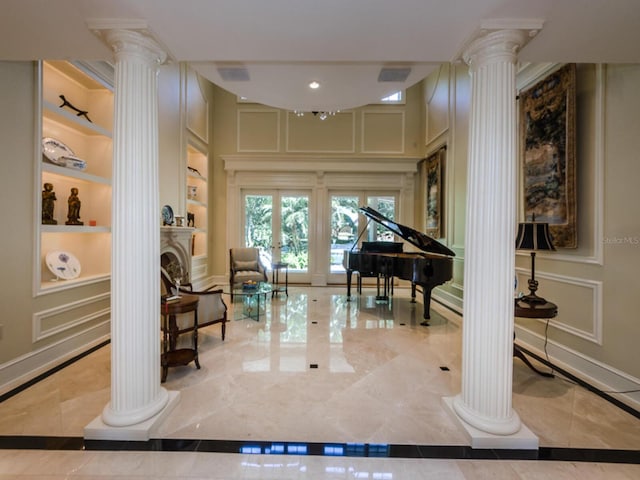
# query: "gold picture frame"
{"points": [[547, 133], [433, 166]]}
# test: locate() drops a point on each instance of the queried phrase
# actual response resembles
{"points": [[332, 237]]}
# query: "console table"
{"points": [[533, 310], [172, 356]]}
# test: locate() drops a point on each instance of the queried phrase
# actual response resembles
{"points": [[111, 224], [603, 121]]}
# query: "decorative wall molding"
{"points": [[40, 330], [527, 75], [432, 94], [369, 113], [197, 106], [243, 132], [319, 163], [592, 286], [324, 133]]}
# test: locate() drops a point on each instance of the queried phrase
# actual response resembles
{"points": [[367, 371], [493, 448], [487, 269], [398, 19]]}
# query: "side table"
{"points": [[533, 310], [172, 356], [275, 278]]}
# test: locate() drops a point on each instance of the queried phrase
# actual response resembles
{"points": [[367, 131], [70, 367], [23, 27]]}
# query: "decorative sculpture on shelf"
{"points": [[80, 113], [73, 215], [191, 219], [48, 204]]}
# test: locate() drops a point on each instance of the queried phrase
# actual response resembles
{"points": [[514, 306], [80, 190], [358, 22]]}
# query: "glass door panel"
{"points": [[278, 224], [386, 205], [343, 228], [293, 246], [258, 224], [346, 224]]}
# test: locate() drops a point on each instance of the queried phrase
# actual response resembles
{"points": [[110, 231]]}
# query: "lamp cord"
{"points": [[546, 340]]}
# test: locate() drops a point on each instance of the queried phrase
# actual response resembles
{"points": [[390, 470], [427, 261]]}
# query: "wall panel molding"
{"points": [[592, 289], [42, 330], [335, 135], [529, 74], [381, 129], [250, 121]]}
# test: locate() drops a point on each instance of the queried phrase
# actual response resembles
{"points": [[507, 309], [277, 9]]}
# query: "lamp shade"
{"points": [[534, 236]]}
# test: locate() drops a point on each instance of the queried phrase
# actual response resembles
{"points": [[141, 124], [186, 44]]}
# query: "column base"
{"points": [[523, 439], [98, 430]]}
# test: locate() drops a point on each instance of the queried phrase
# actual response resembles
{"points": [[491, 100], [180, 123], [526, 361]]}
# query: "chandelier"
{"points": [[320, 115]]}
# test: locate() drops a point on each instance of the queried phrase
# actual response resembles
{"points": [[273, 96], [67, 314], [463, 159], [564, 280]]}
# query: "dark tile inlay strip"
{"points": [[451, 452]]}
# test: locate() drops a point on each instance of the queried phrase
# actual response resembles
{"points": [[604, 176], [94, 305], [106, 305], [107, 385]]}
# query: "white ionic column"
{"points": [[136, 394], [487, 353]]}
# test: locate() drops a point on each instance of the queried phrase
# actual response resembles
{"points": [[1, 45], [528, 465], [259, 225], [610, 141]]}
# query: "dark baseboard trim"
{"points": [[51, 371]]}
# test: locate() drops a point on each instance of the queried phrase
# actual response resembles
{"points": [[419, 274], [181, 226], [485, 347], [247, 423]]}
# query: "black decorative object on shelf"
{"points": [[191, 219], [73, 215], [48, 204], [80, 113]]}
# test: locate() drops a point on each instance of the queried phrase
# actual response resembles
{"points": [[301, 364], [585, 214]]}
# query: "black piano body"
{"points": [[429, 268]]}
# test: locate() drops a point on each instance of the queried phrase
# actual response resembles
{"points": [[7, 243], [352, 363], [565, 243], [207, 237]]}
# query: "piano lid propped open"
{"points": [[423, 241]]}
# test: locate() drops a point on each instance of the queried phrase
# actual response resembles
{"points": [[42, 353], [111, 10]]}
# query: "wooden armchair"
{"points": [[244, 266], [211, 306]]}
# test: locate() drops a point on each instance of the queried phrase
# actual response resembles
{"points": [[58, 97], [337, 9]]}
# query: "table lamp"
{"points": [[533, 236]]}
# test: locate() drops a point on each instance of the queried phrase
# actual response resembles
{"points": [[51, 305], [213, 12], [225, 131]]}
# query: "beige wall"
{"points": [[17, 84], [595, 284]]}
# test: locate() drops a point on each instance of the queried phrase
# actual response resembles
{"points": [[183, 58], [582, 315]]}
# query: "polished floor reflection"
{"points": [[316, 368]]}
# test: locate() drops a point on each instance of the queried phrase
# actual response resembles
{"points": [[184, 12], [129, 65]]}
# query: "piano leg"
{"points": [[426, 301], [349, 272], [413, 292]]}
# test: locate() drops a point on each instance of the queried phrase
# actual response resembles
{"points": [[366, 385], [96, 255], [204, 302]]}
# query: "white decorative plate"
{"points": [[57, 152], [63, 265]]}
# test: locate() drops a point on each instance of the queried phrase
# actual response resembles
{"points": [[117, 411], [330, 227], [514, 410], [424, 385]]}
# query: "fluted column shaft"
{"points": [[487, 363], [136, 394]]}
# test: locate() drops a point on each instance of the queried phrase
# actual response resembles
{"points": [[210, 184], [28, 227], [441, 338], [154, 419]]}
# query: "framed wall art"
{"points": [[547, 134], [434, 165]]}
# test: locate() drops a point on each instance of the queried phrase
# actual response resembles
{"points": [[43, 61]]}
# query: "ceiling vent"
{"points": [[394, 74], [234, 74]]}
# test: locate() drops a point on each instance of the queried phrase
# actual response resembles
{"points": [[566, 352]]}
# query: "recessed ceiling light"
{"points": [[314, 85]]}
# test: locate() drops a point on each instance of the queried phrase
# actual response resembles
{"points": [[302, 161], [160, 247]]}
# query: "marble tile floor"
{"points": [[316, 370]]}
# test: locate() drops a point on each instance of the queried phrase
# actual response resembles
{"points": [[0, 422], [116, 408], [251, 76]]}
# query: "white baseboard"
{"points": [[25, 368], [595, 373]]}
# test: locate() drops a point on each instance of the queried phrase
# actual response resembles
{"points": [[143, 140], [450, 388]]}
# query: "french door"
{"points": [[348, 228], [277, 222]]}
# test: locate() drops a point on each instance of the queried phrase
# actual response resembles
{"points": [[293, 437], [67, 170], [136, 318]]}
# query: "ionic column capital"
{"points": [[133, 45], [494, 47]]}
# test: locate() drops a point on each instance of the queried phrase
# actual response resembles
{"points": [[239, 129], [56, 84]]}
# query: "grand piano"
{"points": [[429, 268]]}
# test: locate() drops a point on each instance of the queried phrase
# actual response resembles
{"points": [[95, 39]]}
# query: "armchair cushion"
{"points": [[250, 265]]}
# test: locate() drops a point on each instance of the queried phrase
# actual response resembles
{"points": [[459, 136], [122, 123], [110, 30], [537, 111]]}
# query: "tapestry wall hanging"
{"points": [[547, 124], [434, 165]]}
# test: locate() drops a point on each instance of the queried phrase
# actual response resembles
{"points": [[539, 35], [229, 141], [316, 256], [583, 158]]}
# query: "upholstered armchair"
{"points": [[211, 306], [245, 265]]}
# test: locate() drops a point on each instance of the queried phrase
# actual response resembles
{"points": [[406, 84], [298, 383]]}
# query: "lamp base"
{"points": [[532, 299]]}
